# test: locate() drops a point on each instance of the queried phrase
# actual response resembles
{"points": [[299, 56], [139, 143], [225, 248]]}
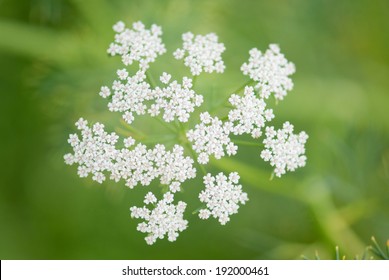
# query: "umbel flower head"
{"points": [[129, 159]]}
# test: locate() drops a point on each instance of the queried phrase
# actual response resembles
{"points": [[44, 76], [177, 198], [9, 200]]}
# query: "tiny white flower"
{"points": [[168, 197], [69, 159], [105, 92], [122, 74], [234, 177], [81, 124], [128, 117], [204, 214], [165, 219], [150, 198], [119, 27], [175, 187], [128, 142], [179, 54], [165, 78]]}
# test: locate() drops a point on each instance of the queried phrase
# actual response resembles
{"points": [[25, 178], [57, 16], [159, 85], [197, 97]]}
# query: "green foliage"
{"points": [[53, 62], [375, 250]]}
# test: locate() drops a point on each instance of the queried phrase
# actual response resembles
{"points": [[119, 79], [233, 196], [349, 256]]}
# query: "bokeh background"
{"points": [[53, 63]]}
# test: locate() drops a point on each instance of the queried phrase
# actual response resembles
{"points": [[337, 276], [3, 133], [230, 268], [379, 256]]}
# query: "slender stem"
{"points": [[197, 210], [194, 79], [239, 89], [246, 143], [159, 138], [387, 247], [202, 168], [166, 125], [194, 155], [182, 127], [150, 79], [139, 133], [377, 248], [337, 255], [243, 86]]}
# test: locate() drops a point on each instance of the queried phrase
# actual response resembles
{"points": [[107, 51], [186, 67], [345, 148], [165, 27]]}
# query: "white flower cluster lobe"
{"points": [[201, 53], [250, 114], [221, 196], [283, 149], [96, 153], [134, 96], [164, 219], [271, 71], [211, 137], [137, 44]]}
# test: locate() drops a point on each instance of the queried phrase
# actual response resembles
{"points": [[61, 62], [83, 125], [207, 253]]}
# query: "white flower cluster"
{"points": [[271, 71], [202, 53], [135, 96], [137, 44], [222, 196], [211, 136], [283, 149], [96, 153], [250, 114], [164, 219]]}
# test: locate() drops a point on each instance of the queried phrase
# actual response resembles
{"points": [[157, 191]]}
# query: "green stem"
{"points": [[182, 127], [194, 79], [377, 249], [246, 143], [150, 79], [243, 86], [159, 138], [166, 125], [225, 102], [194, 155], [139, 134]]}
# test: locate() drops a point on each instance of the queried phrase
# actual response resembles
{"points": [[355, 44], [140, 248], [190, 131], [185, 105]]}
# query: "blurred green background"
{"points": [[53, 63]]}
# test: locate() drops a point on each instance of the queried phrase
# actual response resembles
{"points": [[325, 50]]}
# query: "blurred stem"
{"points": [[139, 135], [166, 125], [150, 79], [194, 80], [187, 144], [239, 89], [376, 248], [159, 138], [331, 224], [247, 143], [225, 103]]}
